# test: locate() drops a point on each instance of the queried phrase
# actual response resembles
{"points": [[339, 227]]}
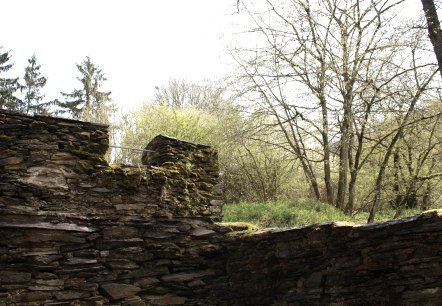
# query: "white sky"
{"points": [[138, 43]]}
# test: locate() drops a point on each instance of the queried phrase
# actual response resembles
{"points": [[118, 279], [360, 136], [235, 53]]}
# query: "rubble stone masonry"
{"points": [[77, 231]]}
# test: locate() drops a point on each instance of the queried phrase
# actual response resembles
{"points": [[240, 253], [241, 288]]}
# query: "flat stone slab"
{"points": [[50, 226], [200, 232], [9, 277], [167, 299], [120, 291]]}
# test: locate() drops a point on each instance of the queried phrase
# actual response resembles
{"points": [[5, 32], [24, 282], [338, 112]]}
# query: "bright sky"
{"points": [[138, 43]]}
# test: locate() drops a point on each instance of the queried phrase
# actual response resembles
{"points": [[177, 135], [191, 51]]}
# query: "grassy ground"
{"points": [[287, 213]]}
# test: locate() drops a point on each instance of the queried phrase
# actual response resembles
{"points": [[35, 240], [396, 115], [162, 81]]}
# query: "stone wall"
{"points": [[77, 231], [392, 263]]}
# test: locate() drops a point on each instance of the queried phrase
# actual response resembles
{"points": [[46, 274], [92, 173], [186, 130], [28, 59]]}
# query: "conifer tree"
{"points": [[88, 102], [8, 86], [34, 82]]}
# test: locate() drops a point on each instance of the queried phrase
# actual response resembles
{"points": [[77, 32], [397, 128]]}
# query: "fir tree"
{"points": [[34, 82], [88, 102], [8, 86]]}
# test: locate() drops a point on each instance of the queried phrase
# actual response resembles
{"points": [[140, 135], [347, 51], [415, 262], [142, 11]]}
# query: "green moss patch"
{"points": [[240, 228]]}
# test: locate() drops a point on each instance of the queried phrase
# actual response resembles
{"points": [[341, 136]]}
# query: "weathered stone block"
{"points": [[201, 232], [71, 295], [8, 277], [118, 291], [167, 299], [35, 296]]}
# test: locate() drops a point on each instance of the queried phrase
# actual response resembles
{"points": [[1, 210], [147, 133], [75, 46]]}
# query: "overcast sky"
{"points": [[138, 43]]}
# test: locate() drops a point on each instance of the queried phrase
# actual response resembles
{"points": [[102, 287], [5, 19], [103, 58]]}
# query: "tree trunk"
{"points": [[343, 172], [354, 169], [434, 30], [312, 178], [378, 189], [351, 192], [426, 201], [396, 186], [326, 148], [412, 201], [343, 157]]}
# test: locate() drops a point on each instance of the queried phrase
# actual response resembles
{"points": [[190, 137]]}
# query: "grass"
{"points": [[385, 214], [289, 213]]}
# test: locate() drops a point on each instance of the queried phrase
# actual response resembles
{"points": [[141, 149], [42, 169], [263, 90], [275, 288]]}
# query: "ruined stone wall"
{"points": [[55, 164], [392, 263], [76, 231]]}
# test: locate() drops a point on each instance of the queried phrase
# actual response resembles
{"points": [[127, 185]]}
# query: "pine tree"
{"points": [[88, 103], [34, 82], [8, 86]]}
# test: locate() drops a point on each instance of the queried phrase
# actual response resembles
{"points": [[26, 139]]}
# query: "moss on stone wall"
{"points": [[76, 231], [127, 177], [186, 173]]}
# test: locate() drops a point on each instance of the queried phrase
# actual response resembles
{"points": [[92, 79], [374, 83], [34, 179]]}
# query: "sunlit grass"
{"points": [[385, 214], [288, 213]]}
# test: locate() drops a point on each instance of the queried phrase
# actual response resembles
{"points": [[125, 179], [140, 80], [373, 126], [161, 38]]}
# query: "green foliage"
{"points": [[252, 169], [255, 168], [8, 86], [88, 102], [283, 213], [288, 213], [34, 82], [189, 124], [414, 172]]}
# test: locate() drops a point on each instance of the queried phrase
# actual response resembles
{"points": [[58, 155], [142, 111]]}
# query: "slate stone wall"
{"points": [[77, 231], [392, 263], [58, 165]]}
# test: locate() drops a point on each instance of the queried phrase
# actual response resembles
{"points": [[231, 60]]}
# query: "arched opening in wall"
{"points": [[61, 146]]}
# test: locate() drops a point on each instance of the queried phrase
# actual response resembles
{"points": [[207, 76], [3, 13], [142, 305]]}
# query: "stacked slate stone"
{"points": [[80, 232], [45, 161], [75, 260], [184, 176], [392, 263], [76, 231], [55, 164], [44, 158]]}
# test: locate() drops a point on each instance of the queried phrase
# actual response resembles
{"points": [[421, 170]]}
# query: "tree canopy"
{"points": [[34, 83], [88, 102], [8, 86]]}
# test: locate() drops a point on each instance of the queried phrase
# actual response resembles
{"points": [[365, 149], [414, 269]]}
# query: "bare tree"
{"points": [[414, 157], [405, 121], [324, 70], [182, 94]]}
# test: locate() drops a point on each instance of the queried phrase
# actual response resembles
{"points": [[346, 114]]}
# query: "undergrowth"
{"points": [[288, 213]]}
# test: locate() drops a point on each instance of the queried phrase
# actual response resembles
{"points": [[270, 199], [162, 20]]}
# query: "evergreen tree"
{"points": [[8, 86], [88, 102], [34, 82]]}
